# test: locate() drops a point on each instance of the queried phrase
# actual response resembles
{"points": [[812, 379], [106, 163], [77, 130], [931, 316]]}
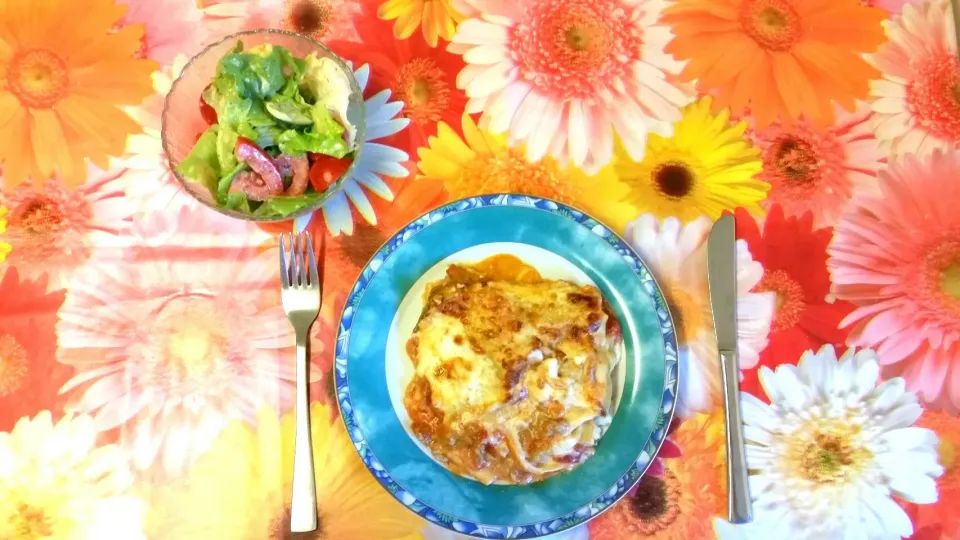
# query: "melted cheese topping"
{"points": [[512, 376]]}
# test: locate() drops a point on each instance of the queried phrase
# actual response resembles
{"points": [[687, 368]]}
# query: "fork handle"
{"points": [[737, 479], [303, 506]]}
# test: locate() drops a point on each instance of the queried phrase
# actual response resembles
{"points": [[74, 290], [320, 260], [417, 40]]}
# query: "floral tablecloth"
{"points": [[146, 367]]}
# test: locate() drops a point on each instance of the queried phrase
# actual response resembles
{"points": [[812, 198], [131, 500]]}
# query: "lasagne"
{"points": [[512, 372]]}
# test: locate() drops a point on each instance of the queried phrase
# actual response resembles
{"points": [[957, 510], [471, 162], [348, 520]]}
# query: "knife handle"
{"points": [[738, 488]]}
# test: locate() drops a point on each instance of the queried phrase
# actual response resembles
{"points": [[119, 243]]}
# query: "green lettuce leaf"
{"points": [[258, 116], [325, 136], [284, 206], [323, 122], [293, 142], [201, 165], [226, 142], [248, 131], [324, 84], [224, 182], [266, 136], [237, 201], [290, 90], [292, 66], [255, 74], [232, 110], [290, 111]]}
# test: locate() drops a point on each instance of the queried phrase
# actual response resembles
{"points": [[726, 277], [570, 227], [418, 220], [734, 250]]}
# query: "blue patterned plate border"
{"points": [[533, 530]]}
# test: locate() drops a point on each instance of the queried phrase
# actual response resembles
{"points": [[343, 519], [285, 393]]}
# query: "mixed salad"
{"points": [[278, 132]]}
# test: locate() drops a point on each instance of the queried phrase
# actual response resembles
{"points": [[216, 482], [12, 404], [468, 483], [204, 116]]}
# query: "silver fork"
{"points": [[301, 299]]}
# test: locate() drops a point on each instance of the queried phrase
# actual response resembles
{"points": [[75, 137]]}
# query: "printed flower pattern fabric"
{"points": [[145, 388]]}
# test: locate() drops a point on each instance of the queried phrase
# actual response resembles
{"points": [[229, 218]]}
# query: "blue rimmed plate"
{"points": [[372, 368]]}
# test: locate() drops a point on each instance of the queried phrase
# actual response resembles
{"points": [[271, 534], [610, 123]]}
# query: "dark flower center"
{"points": [[280, 530], [362, 244], [31, 522], [673, 179], [420, 84], [38, 216], [309, 16], [650, 501], [796, 160]]}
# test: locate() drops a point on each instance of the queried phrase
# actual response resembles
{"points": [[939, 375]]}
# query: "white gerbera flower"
{"points": [[148, 181], [56, 483], [677, 255], [833, 447], [376, 159]]}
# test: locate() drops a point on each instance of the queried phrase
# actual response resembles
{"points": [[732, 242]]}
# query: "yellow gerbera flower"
{"points": [[705, 168], [56, 483], [240, 489], [4, 246], [482, 163], [64, 73], [437, 18]]}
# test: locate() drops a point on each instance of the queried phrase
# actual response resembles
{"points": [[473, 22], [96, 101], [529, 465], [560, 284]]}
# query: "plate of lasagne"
{"points": [[506, 367]]}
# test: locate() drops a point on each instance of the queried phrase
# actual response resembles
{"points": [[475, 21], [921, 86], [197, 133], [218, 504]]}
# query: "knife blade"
{"points": [[722, 280]]}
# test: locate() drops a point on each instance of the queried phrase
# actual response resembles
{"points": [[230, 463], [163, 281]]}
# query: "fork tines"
{"points": [[302, 269]]}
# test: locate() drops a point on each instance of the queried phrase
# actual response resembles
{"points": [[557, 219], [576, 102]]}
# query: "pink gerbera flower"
{"points": [[916, 102], [53, 229], [818, 169], [172, 27], [181, 334], [564, 75], [321, 19], [897, 256]]}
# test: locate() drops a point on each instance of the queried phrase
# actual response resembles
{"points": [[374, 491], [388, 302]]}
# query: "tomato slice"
{"points": [[208, 113], [326, 170]]}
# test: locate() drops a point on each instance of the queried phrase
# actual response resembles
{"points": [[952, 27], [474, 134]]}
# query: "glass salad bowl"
{"points": [[264, 125]]}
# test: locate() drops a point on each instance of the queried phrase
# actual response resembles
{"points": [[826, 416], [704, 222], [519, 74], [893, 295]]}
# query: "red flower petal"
{"points": [[669, 450], [423, 77], [32, 377], [794, 259], [656, 469]]}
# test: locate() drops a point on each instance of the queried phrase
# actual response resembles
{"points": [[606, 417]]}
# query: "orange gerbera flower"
{"points": [[681, 503], [64, 73], [779, 57]]}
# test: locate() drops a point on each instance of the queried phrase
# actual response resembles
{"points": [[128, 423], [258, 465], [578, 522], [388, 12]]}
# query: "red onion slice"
{"points": [[248, 152], [299, 169], [253, 186]]}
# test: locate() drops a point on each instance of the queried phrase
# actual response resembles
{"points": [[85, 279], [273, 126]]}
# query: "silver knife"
{"points": [[722, 277]]}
